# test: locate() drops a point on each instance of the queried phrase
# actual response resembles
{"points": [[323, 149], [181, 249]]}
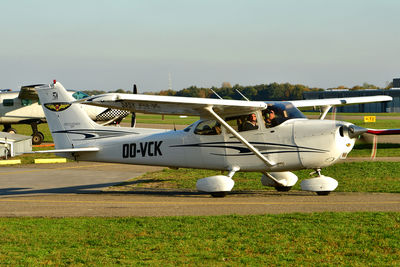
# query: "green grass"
{"points": [[383, 150], [379, 124], [353, 239], [352, 177], [25, 129]]}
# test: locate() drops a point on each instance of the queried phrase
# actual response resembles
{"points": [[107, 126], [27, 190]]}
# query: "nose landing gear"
{"points": [[322, 185]]}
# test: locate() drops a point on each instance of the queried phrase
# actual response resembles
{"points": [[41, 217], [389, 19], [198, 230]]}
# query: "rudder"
{"points": [[67, 120]]}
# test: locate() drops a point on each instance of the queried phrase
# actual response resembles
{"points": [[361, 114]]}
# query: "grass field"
{"points": [[353, 239]]}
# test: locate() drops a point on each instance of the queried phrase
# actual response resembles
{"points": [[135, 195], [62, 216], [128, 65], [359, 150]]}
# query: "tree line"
{"points": [[272, 91]]}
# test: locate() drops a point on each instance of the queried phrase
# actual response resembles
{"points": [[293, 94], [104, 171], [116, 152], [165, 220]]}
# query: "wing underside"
{"points": [[174, 105]]}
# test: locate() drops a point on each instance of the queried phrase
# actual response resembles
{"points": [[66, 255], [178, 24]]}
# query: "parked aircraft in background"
{"points": [[23, 108], [281, 140]]}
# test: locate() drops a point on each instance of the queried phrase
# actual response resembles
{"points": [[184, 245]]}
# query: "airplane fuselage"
{"points": [[294, 144]]}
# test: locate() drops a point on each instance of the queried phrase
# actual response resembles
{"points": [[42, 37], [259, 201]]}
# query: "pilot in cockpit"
{"points": [[270, 118], [250, 123]]}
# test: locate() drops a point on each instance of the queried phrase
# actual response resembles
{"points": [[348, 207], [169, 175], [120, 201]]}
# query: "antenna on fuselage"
{"points": [[216, 93], [242, 95]]}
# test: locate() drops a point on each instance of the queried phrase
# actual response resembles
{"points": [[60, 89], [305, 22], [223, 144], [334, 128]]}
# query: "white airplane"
{"points": [[22, 108], [280, 140]]}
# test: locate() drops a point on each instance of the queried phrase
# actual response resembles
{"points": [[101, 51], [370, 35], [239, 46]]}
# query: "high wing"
{"points": [[340, 101], [173, 104], [326, 104]]}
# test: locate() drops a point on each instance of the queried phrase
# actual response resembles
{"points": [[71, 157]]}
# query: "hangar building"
{"points": [[393, 106]]}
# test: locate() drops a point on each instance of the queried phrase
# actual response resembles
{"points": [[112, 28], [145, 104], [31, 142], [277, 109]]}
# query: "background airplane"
{"points": [[289, 141], [23, 108]]}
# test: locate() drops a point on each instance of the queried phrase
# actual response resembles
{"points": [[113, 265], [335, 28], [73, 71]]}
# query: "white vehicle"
{"points": [[280, 142], [23, 108]]}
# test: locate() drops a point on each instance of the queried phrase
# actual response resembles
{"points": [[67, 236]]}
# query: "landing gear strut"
{"points": [[37, 137], [9, 129]]}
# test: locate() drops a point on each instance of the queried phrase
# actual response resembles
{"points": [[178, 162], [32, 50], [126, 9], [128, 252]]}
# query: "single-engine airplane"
{"points": [[23, 108], [280, 140]]}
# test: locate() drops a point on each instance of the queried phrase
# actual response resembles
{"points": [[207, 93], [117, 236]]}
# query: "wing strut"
{"points": [[239, 137], [324, 110]]}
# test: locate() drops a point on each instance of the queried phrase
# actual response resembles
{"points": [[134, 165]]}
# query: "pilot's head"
{"points": [[270, 113], [252, 117]]}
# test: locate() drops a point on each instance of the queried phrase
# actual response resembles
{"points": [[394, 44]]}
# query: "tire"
{"points": [[42, 135], [11, 131], [283, 188], [218, 194], [37, 138], [323, 193]]}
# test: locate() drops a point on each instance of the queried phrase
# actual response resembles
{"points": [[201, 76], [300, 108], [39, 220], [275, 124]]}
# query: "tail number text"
{"points": [[144, 149]]}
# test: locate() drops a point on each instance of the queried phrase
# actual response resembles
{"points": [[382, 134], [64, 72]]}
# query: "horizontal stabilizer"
{"points": [[69, 150]]}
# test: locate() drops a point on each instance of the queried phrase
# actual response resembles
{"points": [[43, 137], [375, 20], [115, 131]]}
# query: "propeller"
{"points": [[133, 119]]}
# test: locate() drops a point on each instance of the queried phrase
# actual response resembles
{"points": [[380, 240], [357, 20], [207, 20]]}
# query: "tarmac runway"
{"points": [[78, 189]]}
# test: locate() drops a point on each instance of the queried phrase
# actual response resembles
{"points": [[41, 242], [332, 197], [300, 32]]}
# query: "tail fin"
{"points": [[68, 122]]}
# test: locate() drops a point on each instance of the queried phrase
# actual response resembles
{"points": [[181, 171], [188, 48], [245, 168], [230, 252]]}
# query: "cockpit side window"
{"points": [[242, 123], [8, 102], [208, 127], [26, 102]]}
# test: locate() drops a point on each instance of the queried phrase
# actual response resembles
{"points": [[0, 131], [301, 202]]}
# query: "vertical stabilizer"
{"points": [[67, 121]]}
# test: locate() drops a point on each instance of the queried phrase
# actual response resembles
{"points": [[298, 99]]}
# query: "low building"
{"points": [[390, 107], [12, 145]]}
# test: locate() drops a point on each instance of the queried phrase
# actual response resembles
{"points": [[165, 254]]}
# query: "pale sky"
{"points": [[106, 45]]}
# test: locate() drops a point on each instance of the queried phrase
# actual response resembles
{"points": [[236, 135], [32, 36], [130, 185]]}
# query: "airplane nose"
{"points": [[355, 131]]}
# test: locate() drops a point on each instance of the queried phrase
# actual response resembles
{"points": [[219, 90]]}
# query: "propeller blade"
{"points": [[383, 131], [133, 119]]}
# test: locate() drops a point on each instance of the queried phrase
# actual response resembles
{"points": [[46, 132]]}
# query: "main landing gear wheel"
{"points": [[37, 138], [323, 193], [283, 188], [219, 194], [10, 130]]}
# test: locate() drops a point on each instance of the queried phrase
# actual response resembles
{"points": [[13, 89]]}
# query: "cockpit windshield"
{"points": [[277, 113]]}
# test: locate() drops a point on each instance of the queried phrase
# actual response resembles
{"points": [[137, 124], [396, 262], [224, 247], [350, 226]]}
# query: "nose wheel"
{"points": [[322, 185]]}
